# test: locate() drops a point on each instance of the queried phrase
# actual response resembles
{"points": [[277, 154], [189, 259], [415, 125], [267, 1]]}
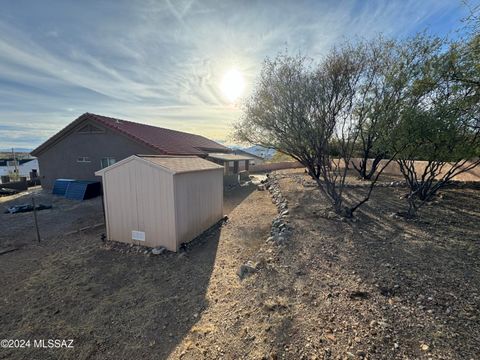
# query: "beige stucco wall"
{"points": [[254, 162], [391, 169], [198, 202], [394, 169], [276, 166], [140, 197]]}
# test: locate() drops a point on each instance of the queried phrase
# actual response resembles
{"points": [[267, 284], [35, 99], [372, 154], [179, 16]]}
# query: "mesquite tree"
{"points": [[313, 111], [440, 122], [381, 98], [397, 67], [473, 19]]}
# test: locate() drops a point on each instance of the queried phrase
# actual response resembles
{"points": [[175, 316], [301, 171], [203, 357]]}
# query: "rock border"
{"points": [[280, 232], [281, 228]]}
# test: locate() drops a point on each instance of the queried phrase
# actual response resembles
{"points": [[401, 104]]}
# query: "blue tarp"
{"points": [[60, 186], [77, 189], [82, 190]]}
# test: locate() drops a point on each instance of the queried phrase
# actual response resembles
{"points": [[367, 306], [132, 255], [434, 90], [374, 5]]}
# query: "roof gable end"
{"points": [[164, 141]]}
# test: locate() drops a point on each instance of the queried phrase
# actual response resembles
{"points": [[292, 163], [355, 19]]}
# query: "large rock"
{"points": [[158, 251], [247, 269], [280, 240]]}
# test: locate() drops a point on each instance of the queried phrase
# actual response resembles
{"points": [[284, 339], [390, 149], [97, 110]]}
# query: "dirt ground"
{"points": [[114, 305], [380, 287]]}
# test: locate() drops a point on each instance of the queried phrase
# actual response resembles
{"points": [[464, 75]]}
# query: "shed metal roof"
{"points": [[173, 164], [181, 164]]}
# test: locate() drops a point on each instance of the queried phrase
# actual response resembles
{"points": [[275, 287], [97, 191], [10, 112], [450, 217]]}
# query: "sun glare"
{"points": [[233, 85]]}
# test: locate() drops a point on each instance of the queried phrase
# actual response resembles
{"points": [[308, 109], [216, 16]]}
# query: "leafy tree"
{"points": [[381, 95], [411, 100], [397, 67], [280, 157], [439, 121], [472, 21], [313, 112]]}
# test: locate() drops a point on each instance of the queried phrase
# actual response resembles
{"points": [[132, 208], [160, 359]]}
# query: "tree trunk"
{"points": [[412, 208], [373, 169], [362, 169]]}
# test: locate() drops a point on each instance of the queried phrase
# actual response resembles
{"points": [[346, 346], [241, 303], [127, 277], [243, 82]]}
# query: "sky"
{"points": [[180, 64]]}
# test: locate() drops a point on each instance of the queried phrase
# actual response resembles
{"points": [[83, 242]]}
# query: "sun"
{"points": [[233, 85]]}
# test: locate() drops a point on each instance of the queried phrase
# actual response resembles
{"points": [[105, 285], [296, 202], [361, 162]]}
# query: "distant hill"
{"points": [[19, 150], [18, 155], [260, 151]]}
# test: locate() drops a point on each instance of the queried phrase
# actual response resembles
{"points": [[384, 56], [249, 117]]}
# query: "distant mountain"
{"points": [[255, 150], [260, 151], [19, 150], [235, 147]]}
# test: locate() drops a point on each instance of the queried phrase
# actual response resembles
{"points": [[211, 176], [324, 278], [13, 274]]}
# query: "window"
{"points": [[83, 159], [107, 162]]}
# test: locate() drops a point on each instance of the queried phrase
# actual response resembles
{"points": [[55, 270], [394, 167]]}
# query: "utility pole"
{"points": [[35, 218], [14, 162]]}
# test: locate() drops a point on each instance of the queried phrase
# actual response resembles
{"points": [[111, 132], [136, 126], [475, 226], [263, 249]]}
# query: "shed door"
{"points": [[121, 199], [140, 198], [154, 205]]}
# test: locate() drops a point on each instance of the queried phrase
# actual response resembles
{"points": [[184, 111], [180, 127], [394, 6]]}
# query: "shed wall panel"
{"points": [[118, 196], [198, 201], [156, 208], [140, 197]]}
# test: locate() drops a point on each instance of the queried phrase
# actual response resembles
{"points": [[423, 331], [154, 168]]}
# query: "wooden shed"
{"points": [[161, 200]]}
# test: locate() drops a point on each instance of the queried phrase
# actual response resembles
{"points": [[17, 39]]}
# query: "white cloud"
{"points": [[162, 62]]}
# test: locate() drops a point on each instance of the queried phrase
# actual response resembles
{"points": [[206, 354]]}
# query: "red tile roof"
{"points": [[165, 141]]}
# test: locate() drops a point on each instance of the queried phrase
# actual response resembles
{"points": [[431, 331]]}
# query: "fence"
{"points": [[275, 166], [9, 177], [392, 169]]}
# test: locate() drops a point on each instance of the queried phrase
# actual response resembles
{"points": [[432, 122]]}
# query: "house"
{"points": [[161, 200], [262, 152], [18, 167], [234, 166], [255, 159], [93, 142]]}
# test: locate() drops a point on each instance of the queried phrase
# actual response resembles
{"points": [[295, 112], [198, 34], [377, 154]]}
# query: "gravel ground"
{"points": [[379, 287]]}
